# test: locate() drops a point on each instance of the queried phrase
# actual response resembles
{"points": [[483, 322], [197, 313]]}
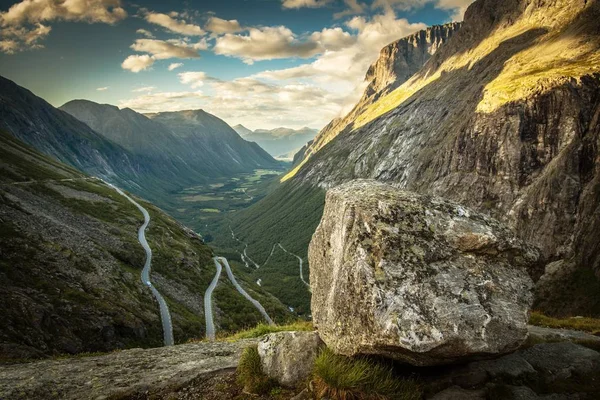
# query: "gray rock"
{"points": [[543, 334], [561, 361], [457, 393], [288, 357], [416, 278], [122, 374]]}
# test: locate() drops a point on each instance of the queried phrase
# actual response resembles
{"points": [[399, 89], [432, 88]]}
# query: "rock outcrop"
{"points": [[416, 278], [558, 371], [288, 357], [124, 374]]}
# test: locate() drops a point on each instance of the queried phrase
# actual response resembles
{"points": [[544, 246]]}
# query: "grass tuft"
{"points": [[343, 378], [250, 374], [264, 329], [590, 325]]}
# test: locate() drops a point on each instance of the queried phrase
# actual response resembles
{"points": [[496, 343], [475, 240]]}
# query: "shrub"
{"points": [[343, 378], [250, 374], [591, 325], [264, 329]]}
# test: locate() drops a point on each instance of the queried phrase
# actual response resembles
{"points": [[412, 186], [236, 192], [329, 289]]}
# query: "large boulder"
{"points": [[289, 357], [416, 278]]}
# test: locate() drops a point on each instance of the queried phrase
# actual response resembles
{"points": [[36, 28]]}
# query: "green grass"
{"points": [[342, 378], [250, 374], [264, 329], [289, 215], [590, 325]]}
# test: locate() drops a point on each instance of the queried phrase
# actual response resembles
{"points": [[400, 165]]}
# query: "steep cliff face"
{"points": [[401, 59], [397, 62]]}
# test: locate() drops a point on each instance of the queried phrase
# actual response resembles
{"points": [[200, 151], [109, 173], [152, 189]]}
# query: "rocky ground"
{"points": [[207, 371], [128, 373]]}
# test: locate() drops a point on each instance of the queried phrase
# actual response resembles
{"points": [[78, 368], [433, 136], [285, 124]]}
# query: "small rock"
{"points": [[288, 357], [457, 393], [562, 361], [303, 395]]}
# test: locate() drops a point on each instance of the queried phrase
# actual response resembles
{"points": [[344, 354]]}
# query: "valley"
{"points": [[201, 206], [405, 250]]}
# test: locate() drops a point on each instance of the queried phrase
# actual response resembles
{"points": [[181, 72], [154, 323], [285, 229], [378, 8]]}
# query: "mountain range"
{"points": [[129, 149], [503, 117], [281, 143]]}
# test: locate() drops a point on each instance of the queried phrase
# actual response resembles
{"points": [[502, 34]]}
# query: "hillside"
{"points": [[502, 118], [70, 265], [281, 143], [187, 143]]}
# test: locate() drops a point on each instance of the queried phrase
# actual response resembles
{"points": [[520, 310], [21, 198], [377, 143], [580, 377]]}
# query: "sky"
{"points": [[260, 63]]}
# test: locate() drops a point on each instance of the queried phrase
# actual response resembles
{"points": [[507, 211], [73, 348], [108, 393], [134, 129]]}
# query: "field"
{"points": [[199, 207]]}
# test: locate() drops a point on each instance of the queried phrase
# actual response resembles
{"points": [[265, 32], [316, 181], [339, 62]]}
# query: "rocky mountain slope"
{"points": [[193, 152], [282, 143], [213, 143], [70, 265], [56, 133], [242, 130], [504, 118], [397, 62]]}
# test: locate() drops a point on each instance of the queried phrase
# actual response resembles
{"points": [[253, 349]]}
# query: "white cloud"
{"points": [[144, 89], [23, 25], [354, 8], [174, 66], [194, 79], [9, 46], [220, 26], [456, 7], [305, 3], [92, 11], [266, 43], [165, 101], [333, 38], [102, 89], [341, 69], [137, 63], [146, 33], [173, 48], [174, 25]]}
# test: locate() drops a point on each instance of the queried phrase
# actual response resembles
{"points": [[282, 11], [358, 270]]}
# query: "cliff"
{"points": [[397, 62]]}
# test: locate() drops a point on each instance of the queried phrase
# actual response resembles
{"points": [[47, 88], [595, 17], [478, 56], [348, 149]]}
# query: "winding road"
{"points": [[256, 304], [208, 313], [165, 315], [299, 261], [244, 256]]}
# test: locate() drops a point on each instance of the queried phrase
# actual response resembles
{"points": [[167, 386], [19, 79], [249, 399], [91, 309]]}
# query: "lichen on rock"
{"points": [[417, 278], [288, 357]]}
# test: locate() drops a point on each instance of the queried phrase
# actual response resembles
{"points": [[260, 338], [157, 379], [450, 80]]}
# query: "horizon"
{"points": [[261, 64]]}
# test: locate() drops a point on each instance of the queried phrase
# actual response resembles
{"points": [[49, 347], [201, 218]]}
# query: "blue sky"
{"points": [[262, 63]]}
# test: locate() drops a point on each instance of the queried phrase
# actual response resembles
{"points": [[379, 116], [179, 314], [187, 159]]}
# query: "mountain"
{"points": [[242, 130], [397, 62], [70, 265], [281, 143], [504, 118], [56, 133], [62, 136], [191, 143]]}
